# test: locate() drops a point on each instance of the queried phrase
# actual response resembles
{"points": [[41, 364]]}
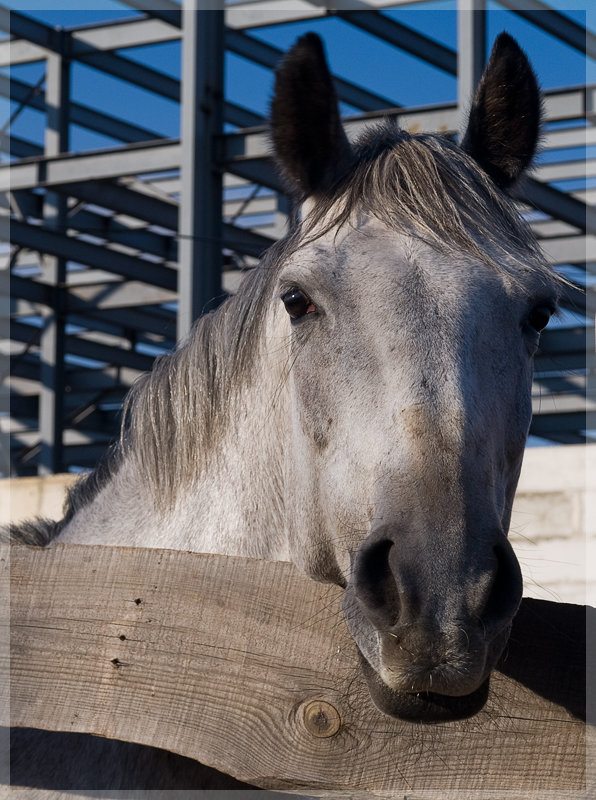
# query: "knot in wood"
{"points": [[321, 719]]}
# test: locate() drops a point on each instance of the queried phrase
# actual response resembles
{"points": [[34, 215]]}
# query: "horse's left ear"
{"points": [[504, 125], [311, 147]]}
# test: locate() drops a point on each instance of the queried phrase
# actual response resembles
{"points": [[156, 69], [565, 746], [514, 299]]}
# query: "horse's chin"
{"points": [[422, 706]]}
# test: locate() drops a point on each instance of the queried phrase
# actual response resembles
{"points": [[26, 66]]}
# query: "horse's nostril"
{"points": [[506, 590], [375, 584]]}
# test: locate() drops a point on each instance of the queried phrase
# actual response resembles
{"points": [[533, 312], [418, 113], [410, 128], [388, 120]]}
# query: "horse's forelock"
{"points": [[426, 186]]}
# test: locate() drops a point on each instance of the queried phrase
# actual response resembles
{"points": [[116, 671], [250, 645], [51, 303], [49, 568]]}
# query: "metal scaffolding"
{"points": [[115, 251]]}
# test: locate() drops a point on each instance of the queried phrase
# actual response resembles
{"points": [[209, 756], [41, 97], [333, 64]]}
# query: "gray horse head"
{"points": [[414, 300]]}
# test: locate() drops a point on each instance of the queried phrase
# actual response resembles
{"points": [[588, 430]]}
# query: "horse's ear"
{"points": [[310, 144], [504, 125]]}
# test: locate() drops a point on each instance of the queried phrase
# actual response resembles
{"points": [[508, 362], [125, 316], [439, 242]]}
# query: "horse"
{"points": [[361, 406]]}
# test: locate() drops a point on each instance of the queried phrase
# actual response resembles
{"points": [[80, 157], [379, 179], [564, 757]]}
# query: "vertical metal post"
{"points": [[51, 398], [200, 220], [471, 53]]}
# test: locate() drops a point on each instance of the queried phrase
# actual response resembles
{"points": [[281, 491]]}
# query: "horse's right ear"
{"points": [[310, 144], [504, 125]]}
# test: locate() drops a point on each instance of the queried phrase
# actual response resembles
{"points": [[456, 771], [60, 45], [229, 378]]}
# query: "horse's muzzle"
{"points": [[430, 631]]}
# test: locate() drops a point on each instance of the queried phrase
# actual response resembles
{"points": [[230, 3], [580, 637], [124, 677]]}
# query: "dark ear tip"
{"points": [[507, 50], [307, 46], [310, 40], [505, 41]]}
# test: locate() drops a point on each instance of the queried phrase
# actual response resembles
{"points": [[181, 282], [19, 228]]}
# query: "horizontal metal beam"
{"points": [[122, 34], [86, 348], [158, 82], [18, 147], [121, 295], [85, 438], [79, 408], [558, 204], [139, 238], [60, 41], [113, 127], [165, 10], [547, 425], [84, 116], [134, 159], [75, 173], [269, 56], [554, 365], [403, 37], [25, 367], [165, 154], [57, 244], [157, 212], [148, 327], [559, 25], [563, 340]]}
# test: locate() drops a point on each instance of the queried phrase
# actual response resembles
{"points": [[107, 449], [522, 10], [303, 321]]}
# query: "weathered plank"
{"points": [[218, 659]]}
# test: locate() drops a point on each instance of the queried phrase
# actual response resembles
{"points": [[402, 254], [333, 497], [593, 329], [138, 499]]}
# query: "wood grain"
{"points": [[217, 658]]}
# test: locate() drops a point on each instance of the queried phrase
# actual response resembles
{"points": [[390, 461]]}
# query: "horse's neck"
{"points": [[234, 508]]}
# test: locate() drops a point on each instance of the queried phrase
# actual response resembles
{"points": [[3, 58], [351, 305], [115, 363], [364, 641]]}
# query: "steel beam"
{"points": [[120, 295], [62, 43], [403, 37], [165, 10], [52, 339], [554, 22], [164, 155], [552, 425], [87, 348], [113, 127], [20, 148], [123, 200], [81, 115], [72, 249], [200, 221], [133, 159], [140, 31], [269, 56], [103, 227], [558, 204], [155, 211], [471, 53]]}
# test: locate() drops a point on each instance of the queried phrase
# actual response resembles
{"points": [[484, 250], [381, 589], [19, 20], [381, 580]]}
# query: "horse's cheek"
{"points": [[313, 409]]}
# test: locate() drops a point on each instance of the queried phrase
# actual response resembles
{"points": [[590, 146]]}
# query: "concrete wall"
{"points": [[24, 498], [553, 527]]}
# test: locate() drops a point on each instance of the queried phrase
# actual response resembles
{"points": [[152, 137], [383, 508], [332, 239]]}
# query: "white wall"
{"points": [[24, 498], [553, 527]]}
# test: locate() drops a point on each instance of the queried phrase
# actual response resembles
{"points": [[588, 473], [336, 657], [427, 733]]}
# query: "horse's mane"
{"points": [[174, 415], [422, 184]]}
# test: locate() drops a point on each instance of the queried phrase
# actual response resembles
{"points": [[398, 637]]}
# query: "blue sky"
{"points": [[353, 55]]}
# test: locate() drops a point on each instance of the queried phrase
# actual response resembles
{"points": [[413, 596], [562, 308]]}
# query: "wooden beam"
{"points": [[219, 659]]}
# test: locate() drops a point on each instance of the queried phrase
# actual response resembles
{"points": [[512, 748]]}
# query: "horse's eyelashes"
{"points": [[298, 304]]}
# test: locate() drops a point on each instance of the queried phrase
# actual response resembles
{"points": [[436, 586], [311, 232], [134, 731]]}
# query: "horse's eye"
{"points": [[297, 303], [539, 317]]}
